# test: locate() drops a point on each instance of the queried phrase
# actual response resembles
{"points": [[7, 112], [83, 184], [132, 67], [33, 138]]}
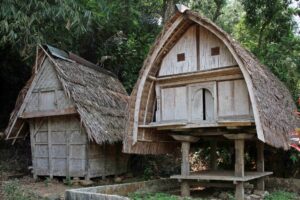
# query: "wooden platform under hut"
{"points": [[197, 82], [75, 115]]}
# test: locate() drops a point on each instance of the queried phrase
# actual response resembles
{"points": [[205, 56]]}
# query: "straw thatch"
{"points": [[272, 103], [99, 97]]}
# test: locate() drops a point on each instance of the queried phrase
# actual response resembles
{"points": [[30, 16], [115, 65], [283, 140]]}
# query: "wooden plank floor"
{"points": [[221, 176]]}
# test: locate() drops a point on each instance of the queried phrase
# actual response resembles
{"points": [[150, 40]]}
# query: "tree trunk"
{"points": [[168, 9]]}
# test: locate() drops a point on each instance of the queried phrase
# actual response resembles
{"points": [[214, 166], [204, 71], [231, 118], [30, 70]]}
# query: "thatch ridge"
{"points": [[275, 105]]}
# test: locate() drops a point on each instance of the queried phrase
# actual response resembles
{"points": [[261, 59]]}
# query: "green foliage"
{"points": [[68, 181], [267, 30], [27, 23], [148, 173], [47, 181], [151, 196], [211, 9], [13, 191], [281, 195]]}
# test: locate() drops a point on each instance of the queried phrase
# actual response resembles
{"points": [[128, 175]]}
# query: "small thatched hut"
{"points": [[197, 82], [74, 112]]}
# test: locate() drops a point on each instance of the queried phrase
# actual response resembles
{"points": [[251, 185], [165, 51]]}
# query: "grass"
{"points": [[152, 196], [13, 191], [281, 195], [277, 195]]}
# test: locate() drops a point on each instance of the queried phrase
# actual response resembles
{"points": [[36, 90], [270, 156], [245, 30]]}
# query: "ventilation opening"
{"points": [[203, 106], [180, 57], [215, 51], [207, 105], [154, 112]]}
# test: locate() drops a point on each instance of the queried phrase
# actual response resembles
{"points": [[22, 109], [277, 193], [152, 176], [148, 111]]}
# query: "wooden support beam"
{"points": [[260, 165], [32, 142], [17, 135], [239, 191], [185, 138], [152, 78], [213, 155], [239, 158], [240, 136], [50, 148], [182, 78], [185, 168], [185, 164], [239, 168], [67, 111]]}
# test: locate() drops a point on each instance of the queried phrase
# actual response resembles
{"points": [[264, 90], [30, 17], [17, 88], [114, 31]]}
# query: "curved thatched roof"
{"points": [[99, 97], [272, 103]]}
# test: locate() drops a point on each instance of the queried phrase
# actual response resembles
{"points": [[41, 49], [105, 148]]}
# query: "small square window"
{"points": [[215, 51], [180, 57]]}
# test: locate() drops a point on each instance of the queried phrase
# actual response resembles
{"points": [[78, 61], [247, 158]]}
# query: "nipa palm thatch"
{"points": [[99, 97], [75, 114], [270, 103]]}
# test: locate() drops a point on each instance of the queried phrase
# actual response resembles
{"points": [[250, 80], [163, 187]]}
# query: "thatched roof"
{"points": [[99, 97], [272, 103]]}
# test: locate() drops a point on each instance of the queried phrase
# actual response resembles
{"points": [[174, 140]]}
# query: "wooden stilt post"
{"points": [[213, 155], [239, 168], [185, 168], [260, 165]]}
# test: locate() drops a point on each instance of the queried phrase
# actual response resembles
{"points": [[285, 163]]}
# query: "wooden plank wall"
{"points": [[106, 159], [223, 100], [207, 61], [58, 146], [174, 103], [187, 45], [233, 99], [197, 45], [48, 93]]}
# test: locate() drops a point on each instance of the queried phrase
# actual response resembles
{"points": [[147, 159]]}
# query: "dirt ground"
{"points": [[54, 189]]}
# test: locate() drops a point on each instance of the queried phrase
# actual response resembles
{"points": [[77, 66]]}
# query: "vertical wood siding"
{"points": [[196, 45], [59, 148], [48, 93], [186, 45], [233, 99]]}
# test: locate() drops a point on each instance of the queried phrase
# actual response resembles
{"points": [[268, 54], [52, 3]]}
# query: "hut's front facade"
{"points": [[66, 108], [199, 83]]}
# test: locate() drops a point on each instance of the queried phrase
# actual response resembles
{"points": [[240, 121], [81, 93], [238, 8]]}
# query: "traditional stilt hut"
{"points": [[196, 82], [74, 112]]}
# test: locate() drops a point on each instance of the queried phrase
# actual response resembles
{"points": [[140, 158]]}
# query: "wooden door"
{"points": [[202, 103], [58, 147]]}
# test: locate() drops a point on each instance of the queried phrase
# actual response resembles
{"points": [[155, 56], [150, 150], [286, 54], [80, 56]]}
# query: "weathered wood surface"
{"points": [[248, 65], [239, 191], [60, 148], [35, 114], [194, 52], [239, 167], [174, 103], [233, 99], [47, 94], [185, 168], [207, 60], [260, 164], [185, 46]]}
